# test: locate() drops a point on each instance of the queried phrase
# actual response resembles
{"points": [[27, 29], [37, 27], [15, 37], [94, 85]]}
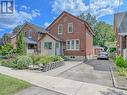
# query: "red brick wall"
{"points": [[79, 30], [26, 28], [89, 44]]}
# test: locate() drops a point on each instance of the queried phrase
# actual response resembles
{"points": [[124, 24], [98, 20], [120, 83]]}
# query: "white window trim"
{"points": [[30, 33], [72, 27], [58, 28], [74, 45]]}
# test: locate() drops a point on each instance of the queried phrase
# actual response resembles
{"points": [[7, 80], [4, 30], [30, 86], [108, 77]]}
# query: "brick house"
{"points": [[32, 33], [67, 35], [75, 34], [120, 28]]}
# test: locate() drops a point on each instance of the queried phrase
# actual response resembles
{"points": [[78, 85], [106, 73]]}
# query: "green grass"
{"points": [[9, 85]]}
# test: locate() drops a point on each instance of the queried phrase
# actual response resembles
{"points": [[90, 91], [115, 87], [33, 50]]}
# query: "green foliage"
{"points": [[11, 63], [120, 61], [23, 62], [17, 28], [10, 86], [48, 59], [103, 31], [91, 19], [122, 71], [21, 44], [6, 49], [112, 50]]}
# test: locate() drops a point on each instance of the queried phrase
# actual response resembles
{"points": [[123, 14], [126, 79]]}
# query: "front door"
{"points": [[58, 48]]}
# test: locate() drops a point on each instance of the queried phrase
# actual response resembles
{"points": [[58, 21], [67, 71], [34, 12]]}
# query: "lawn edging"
{"points": [[51, 66], [114, 80]]}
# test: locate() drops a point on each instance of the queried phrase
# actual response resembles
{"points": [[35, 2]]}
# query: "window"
{"points": [[77, 44], [25, 34], [60, 29], [30, 33], [70, 27], [68, 44], [57, 45], [73, 44], [48, 45]]}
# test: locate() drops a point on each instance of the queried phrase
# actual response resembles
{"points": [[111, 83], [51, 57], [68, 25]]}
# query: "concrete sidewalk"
{"points": [[65, 86]]}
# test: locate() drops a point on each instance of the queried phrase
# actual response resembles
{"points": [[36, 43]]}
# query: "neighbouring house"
{"points": [[74, 37], [32, 33], [97, 50], [120, 28]]}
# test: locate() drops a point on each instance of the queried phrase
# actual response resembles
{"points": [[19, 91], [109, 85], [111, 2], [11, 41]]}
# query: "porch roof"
{"points": [[30, 41]]}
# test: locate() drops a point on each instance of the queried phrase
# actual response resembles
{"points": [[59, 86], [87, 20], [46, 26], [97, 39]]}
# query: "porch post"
{"points": [[120, 47]]}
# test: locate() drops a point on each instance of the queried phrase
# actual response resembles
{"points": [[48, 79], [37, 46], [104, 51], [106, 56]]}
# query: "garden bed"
{"points": [[121, 81], [38, 62], [51, 66]]}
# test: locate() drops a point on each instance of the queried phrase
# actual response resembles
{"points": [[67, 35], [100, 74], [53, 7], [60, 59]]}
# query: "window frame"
{"points": [[70, 45], [47, 46], [70, 24], [58, 28], [30, 33]]}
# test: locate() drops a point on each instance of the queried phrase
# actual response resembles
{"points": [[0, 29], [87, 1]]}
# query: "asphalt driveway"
{"points": [[94, 71]]}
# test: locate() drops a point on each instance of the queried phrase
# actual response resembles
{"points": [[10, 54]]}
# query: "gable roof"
{"points": [[38, 29], [50, 35], [66, 13]]}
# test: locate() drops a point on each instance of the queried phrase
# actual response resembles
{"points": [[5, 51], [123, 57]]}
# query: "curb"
{"points": [[114, 81]]}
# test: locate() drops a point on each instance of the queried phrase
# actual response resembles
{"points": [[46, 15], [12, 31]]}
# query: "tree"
{"points": [[103, 33], [16, 29], [21, 44], [90, 19], [6, 48], [5, 37]]}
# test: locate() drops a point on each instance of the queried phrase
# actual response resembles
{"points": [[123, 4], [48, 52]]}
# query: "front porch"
{"points": [[31, 46]]}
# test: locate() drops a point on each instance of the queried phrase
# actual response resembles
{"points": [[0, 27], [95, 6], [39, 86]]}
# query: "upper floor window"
{"points": [[30, 33], [70, 27], [60, 29]]}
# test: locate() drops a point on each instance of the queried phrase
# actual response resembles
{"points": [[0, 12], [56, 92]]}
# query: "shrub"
{"points": [[23, 62], [11, 64], [35, 58], [120, 61], [56, 58], [48, 59], [122, 71]]}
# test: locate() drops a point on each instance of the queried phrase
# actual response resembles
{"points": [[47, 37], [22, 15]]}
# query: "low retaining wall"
{"points": [[51, 66]]}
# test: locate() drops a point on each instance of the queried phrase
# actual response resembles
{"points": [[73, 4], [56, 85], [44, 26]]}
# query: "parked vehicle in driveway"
{"points": [[103, 55]]}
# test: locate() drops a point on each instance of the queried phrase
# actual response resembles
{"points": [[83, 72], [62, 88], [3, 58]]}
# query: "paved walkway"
{"points": [[57, 71], [61, 85], [38, 91]]}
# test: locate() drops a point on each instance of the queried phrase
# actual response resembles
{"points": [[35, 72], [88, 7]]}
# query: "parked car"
{"points": [[103, 55]]}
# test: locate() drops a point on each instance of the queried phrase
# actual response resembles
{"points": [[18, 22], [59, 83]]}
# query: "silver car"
{"points": [[103, 55]]}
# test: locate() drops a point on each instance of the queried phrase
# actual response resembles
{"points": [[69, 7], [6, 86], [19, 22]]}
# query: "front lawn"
{"points": [[9, 85]]}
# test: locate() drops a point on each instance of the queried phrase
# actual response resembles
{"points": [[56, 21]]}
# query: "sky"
{"points": [[43, 12]]}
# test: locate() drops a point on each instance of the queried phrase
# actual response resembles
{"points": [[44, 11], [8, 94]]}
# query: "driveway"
{"points": [[94, 71], [58, 85]]}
